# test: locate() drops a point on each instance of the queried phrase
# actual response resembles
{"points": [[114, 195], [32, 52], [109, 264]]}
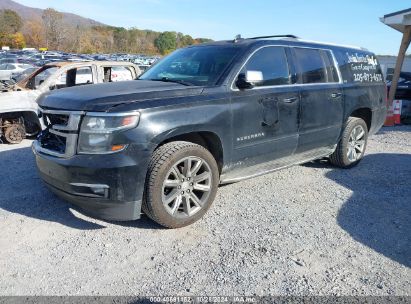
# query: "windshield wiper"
{"points": [[179, 81]]}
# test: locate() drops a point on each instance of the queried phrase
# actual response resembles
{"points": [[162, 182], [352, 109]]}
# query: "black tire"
{"points": [[15, 133], [164, 159], [32, 129], [340, 156]]}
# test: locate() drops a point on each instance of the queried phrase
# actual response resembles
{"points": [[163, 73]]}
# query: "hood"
{"points": [[101, 97], [18, 101]]}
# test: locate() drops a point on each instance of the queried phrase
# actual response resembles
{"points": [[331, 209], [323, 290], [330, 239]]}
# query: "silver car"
{"points": [[8, 70]]}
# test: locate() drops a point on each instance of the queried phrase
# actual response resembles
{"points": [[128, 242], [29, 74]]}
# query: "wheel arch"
{"points": [[365, 114], [207, 139], [29, 117]]}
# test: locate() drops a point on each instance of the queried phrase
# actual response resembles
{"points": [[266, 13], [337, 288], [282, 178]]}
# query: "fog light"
{"points": [[99, 191], [91, 190]]}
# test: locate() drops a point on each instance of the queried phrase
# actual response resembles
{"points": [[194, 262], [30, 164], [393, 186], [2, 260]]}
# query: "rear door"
{"points": [[321, 105], [265, 117]]}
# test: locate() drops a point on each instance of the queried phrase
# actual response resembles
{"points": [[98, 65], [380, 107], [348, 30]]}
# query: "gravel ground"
{"points": [[307, 230]]}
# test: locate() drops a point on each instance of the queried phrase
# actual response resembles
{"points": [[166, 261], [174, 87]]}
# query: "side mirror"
{"points": [[249, 79]]}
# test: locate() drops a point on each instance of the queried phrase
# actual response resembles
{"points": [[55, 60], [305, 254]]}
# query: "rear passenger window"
{"points": [[118, 73], [272, 62], [121, 73], [74, 77], [316, 66], [84, 76]]}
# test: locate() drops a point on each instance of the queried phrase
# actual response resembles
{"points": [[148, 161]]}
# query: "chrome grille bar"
{"points": [[68, 132]]}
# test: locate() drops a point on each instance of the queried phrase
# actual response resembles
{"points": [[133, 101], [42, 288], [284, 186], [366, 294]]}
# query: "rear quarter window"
{"points": [[315, 66], [359, 67]]}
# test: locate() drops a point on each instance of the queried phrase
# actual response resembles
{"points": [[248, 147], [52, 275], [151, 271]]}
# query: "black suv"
{"points": [[206, 115]]}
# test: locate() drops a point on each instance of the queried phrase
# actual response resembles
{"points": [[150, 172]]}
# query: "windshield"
{"points": [[34, 81], [201, 65]]}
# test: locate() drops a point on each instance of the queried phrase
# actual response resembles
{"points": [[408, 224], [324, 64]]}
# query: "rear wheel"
{"points": [[15, 133], [181, 184], [351, 148]]}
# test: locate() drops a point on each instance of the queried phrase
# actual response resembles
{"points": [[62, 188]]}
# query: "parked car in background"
{"points": [[206, 115], [10, 70], [143, 67], [24, 74], [8, 60], [403, 87], [18, 107]]}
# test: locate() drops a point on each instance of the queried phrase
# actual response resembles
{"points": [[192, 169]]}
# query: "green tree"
{"points": [[10, 22], [120, 36], [166, 42], [187, 40], [202, 40]]}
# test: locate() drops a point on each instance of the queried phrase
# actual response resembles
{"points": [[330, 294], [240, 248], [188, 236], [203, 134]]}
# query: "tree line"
{"points": [[53, 33]]}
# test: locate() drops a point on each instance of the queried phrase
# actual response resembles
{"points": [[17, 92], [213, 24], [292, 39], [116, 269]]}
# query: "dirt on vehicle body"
{"points": [[205, 115]]}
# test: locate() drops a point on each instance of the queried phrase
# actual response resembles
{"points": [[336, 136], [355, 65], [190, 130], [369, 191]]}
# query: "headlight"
{"points": [[98, 132]]}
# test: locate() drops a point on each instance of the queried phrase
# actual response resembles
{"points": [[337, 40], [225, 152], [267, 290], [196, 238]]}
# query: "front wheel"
{"points": [[351, 148], [181, 184]]}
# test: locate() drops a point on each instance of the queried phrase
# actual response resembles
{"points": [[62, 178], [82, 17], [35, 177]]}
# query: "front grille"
{"points": [[55, 119], [53, 142], [61, 133]]}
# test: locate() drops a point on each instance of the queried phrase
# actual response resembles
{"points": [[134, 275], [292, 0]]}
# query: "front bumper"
{"points": [[105, 186]]}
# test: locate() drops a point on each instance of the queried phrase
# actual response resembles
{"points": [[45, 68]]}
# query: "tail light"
{"points": [[386, 93]]}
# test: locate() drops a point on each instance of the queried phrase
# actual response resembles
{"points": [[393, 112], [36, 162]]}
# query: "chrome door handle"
{"points": [[290, 100], [336, 95]]}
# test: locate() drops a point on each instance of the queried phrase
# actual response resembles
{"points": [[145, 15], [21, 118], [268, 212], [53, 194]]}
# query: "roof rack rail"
{"points": [[275, 36]]}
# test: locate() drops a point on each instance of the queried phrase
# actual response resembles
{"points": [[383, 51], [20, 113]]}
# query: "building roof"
{"points": [[398, 20]]}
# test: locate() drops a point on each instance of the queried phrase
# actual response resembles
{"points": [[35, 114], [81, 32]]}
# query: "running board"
{"points": [[274, 165]]}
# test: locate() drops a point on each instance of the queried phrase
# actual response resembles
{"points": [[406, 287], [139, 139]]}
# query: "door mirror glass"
{"points": [[249, 79], [254, 77]]}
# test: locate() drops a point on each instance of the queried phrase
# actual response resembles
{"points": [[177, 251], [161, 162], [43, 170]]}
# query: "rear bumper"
{"points": [[105, 186], [377, 119]]}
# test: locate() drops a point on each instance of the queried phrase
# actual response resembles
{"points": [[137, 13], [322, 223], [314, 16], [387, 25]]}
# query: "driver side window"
{"points": [[272, 63]]}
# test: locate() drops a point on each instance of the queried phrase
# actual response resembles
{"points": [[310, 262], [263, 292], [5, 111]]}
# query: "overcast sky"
{"points": [[350, 22]]}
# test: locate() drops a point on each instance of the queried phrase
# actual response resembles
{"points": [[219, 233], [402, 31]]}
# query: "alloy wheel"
{"points": [[187, 187], [356, 144]]}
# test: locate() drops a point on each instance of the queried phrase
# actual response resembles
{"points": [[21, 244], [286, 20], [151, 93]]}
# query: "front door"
{"points": [[265, 117]]}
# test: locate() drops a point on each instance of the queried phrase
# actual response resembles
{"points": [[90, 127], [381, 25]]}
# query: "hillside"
{"points": [[31, 13], [73, 33]]}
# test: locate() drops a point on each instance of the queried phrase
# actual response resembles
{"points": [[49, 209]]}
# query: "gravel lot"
{"points": [[307, 230]]}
